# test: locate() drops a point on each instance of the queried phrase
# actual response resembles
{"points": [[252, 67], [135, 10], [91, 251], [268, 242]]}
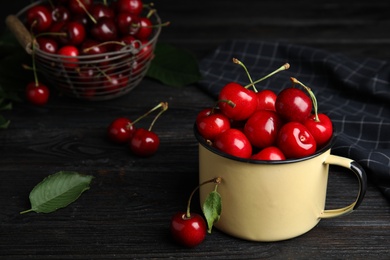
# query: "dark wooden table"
{"points": [[127, 211]]}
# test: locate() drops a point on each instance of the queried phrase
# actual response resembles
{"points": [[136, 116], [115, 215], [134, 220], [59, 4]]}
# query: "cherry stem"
{"points": [[312, 96], [237, 61], [161, 104], [86, 11], [286, 66], [164, 107], [135, 25], [33, 47], [216, 180], [229, 102], [104, 43]]}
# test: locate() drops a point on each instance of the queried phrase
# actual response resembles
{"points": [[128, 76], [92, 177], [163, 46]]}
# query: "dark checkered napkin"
{"points": [[353, 92]]}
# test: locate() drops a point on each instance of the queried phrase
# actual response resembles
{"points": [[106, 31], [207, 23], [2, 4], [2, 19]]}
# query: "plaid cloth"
{"points": [[353, 92]]}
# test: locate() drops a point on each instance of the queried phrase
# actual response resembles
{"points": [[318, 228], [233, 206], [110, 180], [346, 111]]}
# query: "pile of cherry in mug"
{"points": [[263, 125]]}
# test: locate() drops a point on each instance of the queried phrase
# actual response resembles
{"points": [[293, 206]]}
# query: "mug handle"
{"points": [[360, 174]]}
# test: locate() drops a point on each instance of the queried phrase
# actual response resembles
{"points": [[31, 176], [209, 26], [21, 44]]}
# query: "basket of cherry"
{"points": [[270, 154], [94, 50]]}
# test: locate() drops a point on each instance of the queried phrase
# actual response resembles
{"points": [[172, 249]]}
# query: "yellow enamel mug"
{"points": [[273, 200]]}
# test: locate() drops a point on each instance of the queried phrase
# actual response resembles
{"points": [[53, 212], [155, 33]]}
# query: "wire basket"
{"points": [[91, 77]]}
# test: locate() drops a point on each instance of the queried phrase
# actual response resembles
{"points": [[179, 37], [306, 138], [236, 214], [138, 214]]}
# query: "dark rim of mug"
{"points": [[205, 144]]}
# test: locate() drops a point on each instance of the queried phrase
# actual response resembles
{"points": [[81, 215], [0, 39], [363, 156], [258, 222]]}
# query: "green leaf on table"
{"points": [[4, 123], [173, 66], [212, 208], [58, 191]]}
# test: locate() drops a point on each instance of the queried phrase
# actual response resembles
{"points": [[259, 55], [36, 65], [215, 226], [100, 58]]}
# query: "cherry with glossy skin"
{"points": [[271, 153], [47, 44], [39, 18], [104, 30], [115, 83], [321, 128], [127, 23], [210, 122], [74, 33], [144, 142], [319, 125], [293, 105], [266, 100], [92, 47], [233, 142], [60, 14], [145, 28], [80, 6], [130, 6], [237, 102], [295, 140], [99, 10], [188, 231], [145, 51], [262, 128], [120, 130], [70, 58], [37, 93]]}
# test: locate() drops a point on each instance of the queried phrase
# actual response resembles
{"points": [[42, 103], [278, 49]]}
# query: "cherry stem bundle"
{"points": [[216, 180], [162, 105], [237, 61], [312, 96], [86, 11], [285, 66]]}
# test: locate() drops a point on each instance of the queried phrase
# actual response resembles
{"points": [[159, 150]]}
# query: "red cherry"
{"points": [[266, 100], [271, 153], [130, 6], [75, 33], [79, 6], [233, 142], [210, 123], [47, 44], [70, 54], [188, 231], [144, 142], [322, 130], [292, 104], [38, 18], [60, 14], [126, 23], [120, 130], [92, 47], [262, 128], [244, 100], [99, 10], [115, 83], [295, 140], [104, 30], [145, 28], [146, 51], [37, 94]]}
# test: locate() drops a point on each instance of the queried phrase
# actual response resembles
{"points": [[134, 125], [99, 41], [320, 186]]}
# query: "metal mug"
{"points": [[273, 200]]}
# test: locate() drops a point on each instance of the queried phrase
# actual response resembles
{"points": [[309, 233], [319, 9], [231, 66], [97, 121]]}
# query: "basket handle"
{"points": [[20, 32]]}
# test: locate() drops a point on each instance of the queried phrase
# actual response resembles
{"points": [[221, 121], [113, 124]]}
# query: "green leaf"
{"points": [[4, 123], [58, 191], [212, 208], [173, 66]]}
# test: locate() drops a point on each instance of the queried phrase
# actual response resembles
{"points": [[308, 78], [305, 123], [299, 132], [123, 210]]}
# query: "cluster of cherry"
{"points": [[141, 141], [262, 125], [77, 28]]}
